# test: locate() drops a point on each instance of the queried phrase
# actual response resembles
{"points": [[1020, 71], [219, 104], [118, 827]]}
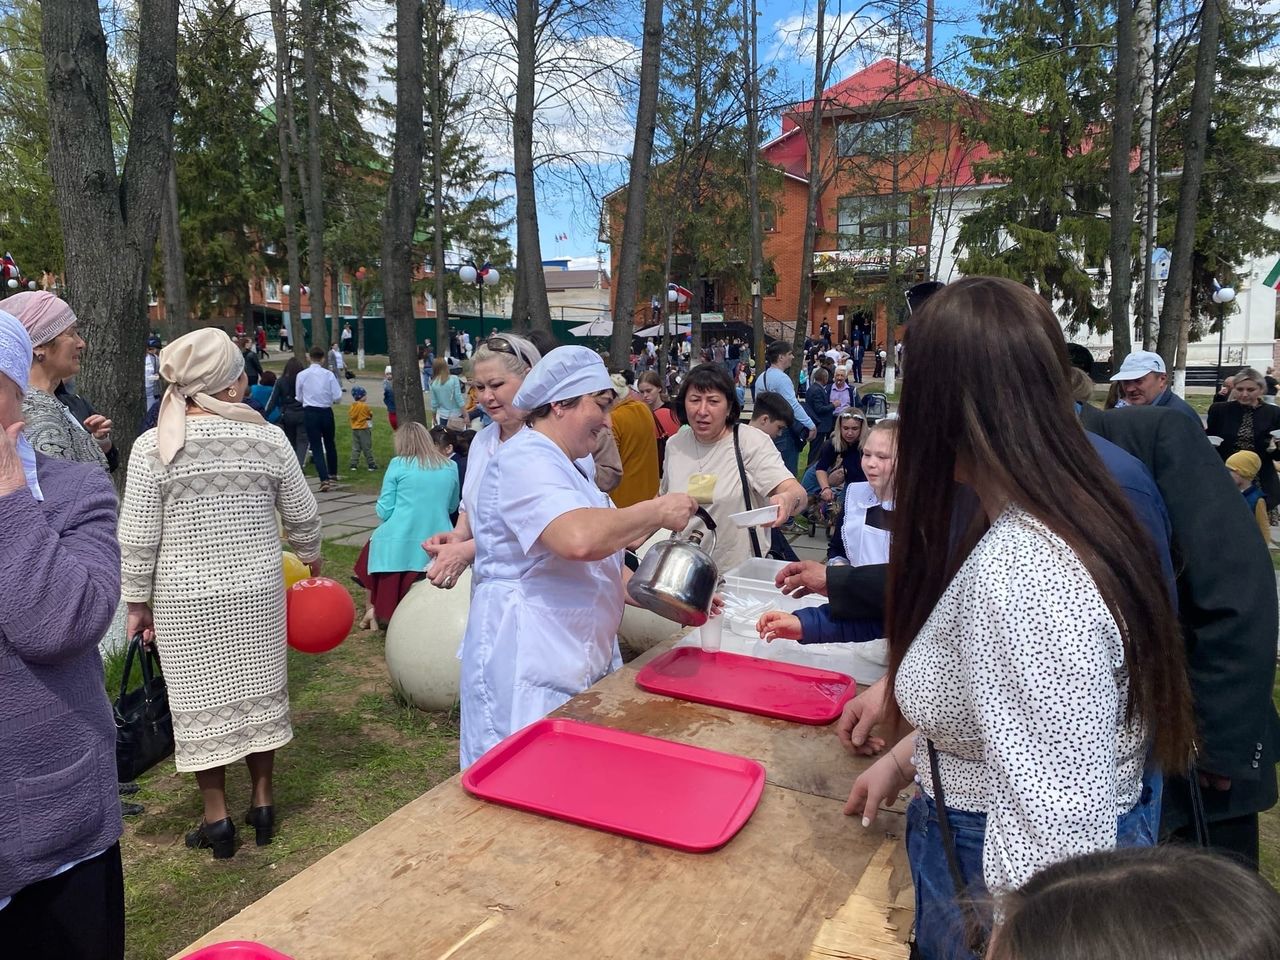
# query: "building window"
{"points": [[271, 289], [344, 295], [879, 137], [768, 217], [864, 223]]}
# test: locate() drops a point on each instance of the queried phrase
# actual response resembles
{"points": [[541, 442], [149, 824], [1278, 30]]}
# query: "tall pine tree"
{"points": [[1043, 85], [223, 147]]}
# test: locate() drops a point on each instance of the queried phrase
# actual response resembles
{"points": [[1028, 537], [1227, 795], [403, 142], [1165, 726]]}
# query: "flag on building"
{"points": [[1273, 278]]}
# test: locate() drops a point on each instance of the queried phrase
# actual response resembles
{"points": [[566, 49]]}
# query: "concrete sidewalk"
{"points": [[347, 517]]}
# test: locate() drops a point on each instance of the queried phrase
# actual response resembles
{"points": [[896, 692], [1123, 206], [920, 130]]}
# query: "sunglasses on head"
{"points": [[501, 344]]}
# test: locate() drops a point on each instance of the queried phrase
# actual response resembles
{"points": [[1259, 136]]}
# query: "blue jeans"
{"points": [[810, 481], [789, 447], [940, 929]]}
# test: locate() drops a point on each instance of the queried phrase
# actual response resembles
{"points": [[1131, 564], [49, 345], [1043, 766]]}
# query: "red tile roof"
{"points": [[872, 88], [878, 84]]}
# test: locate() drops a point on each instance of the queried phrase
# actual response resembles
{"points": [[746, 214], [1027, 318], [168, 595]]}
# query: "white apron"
{"points": [[541, 629], [865, 542]]}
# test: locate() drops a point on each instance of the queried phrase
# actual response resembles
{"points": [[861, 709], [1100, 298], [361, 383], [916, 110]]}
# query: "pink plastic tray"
{"points": [[236, 950], [786, 691], [643, 787]]}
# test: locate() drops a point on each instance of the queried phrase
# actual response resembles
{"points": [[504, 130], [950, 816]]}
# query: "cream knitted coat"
{"points": [[199, 540]]}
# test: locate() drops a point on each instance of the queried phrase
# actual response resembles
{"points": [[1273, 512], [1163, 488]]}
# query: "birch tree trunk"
{"points": [[1178, 289], [177, 306], [813, 138], [1146, 40], [283, 104], [532, 285], [313, 186], [110, 218], [750, 57], [436, 111], [1120, 247], [401, 214], [628, 272]]}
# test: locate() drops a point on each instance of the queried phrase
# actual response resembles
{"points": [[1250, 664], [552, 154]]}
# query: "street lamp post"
{"points": [[664, 355], [1221, 296], [486, 276]]}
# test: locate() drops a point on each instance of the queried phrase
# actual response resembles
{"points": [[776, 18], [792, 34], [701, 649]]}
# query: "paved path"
{"points": [[348, 517]]}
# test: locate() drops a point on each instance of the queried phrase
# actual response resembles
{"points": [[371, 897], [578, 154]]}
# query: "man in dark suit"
{"points": [[1228, 616]]}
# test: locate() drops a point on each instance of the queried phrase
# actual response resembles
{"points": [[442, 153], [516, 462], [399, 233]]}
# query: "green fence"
{"points": [[375, 330]]}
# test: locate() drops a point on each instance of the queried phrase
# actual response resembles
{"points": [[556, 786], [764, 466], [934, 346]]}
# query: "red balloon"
{"points": [[320, 614]]}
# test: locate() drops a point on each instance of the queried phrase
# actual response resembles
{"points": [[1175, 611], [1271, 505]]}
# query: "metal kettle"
{"points": [[677, 578]]}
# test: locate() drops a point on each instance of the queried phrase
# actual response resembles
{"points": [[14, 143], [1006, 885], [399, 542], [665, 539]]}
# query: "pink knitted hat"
{"points": [[44, 315]]}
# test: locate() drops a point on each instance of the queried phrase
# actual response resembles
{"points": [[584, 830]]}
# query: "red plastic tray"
{"points": [[786, 691], [667, 793]]}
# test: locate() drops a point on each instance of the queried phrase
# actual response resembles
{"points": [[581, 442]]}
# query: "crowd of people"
{"points": [[1070, 671]]}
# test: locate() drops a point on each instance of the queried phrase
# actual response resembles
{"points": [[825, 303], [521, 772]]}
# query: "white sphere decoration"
{"points": [[672, 296], [491, 277], [641, 629], [467, 273], [422, 643], [31, 284], [1224, 295], [285, 288], [13, 284]]}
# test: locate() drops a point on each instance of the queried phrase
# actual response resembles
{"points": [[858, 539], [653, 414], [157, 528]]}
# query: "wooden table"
{"points": [[449, 876]]}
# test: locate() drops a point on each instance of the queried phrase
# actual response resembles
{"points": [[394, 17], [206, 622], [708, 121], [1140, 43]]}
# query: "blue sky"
{"points": [[781, 33]]}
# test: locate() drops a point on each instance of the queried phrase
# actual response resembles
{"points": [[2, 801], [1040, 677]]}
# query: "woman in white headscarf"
{"points": [[61, 886], [549, 577], [200, 552]]}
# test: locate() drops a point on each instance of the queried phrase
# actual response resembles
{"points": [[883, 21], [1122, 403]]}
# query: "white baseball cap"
{"points": [[1138, 364]]}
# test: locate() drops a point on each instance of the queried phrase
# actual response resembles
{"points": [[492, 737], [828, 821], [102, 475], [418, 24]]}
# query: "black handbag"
{"points": [[144, 728]]}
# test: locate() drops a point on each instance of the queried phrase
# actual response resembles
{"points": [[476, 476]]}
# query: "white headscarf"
{"points": [[196, 366], [15, 363]]}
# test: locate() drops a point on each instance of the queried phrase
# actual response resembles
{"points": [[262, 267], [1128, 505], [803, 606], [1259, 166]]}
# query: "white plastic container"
{"points": [[755, 518]]}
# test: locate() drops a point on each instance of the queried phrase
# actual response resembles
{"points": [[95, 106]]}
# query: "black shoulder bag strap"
{"points": [[976, 933], [746, 491]]}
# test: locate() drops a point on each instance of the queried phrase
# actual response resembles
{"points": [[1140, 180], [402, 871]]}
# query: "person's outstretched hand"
{"points": [[858, 717], [801, 578]]}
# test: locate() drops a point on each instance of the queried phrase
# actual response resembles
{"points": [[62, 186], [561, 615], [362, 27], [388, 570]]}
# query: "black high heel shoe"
{"points": [[263, 821], [219, 836]]}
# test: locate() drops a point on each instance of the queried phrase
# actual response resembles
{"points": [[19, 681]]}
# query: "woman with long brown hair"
{"points": [[1033, 644]]}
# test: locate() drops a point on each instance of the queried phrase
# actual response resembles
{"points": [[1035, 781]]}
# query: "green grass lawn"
{"points": [[358, 754]]}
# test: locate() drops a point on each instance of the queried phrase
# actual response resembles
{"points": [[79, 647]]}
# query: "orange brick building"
{"points": [[891, 151]]}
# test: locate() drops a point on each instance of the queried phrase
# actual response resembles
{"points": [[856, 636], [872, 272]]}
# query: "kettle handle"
{"points": [[709, 524]]}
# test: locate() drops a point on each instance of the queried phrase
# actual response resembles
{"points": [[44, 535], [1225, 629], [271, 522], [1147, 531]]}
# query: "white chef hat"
{"points": [[563, 373]]}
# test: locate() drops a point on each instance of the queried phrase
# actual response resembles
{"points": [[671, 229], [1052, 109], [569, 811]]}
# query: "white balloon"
{"points": [[491, 276], [467, 273], [13, 284], [422, 643]]}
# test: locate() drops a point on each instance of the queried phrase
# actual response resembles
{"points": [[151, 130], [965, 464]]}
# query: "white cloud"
{"points": [[855, 39]]}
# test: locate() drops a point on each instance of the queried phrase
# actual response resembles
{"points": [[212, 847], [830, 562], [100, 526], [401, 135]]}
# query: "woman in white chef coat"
{"points": [[549, 578], [500, 365]]}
